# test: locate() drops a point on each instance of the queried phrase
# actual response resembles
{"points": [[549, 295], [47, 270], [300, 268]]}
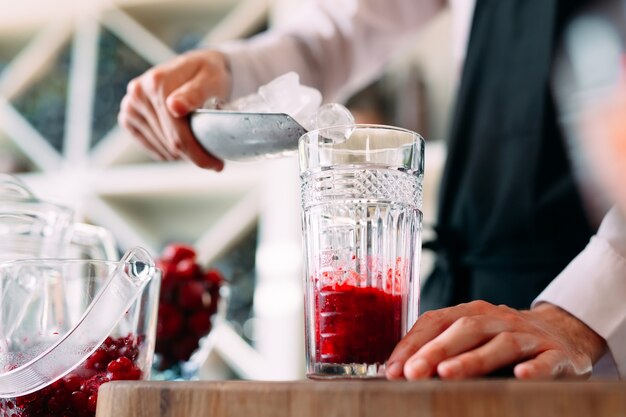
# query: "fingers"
{"points": [[427, 327], [189, 96], [478, 338], [505, 348], [138, 127], [191, 149], [184, 84], [464, 334], [549, 365], [137, 101], [178, 133], [153, 97], [139, 117], [139, 136]]}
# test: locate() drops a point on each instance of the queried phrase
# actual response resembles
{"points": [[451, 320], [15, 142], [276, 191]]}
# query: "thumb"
{"points": [[189, 96]]}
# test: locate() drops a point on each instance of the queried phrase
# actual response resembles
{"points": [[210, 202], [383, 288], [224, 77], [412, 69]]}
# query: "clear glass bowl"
{"points": [[44, 302]]}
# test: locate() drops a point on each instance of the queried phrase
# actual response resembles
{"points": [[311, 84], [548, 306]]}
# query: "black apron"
{"points": [[510, 216]]}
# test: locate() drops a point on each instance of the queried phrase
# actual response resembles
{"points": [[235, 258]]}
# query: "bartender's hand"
{"points": [[477, 338], [156, 104]]}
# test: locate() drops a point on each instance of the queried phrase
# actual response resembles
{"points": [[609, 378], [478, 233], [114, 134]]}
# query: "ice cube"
{"points": [[281, 93], [337, 121], [285, 95], [252, 103], [309, 100], [214, 103], [333, 114]]}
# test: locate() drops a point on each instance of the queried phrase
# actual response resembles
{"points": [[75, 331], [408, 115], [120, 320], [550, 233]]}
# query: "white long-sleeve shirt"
{"points": [[593, 288], [336, 46], [339, 45]]}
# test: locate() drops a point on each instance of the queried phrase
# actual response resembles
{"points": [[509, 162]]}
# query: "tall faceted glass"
{"points": [[361, 201]]}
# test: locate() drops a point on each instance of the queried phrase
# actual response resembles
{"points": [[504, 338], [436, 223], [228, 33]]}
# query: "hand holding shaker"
{"points": [[361, 201]]}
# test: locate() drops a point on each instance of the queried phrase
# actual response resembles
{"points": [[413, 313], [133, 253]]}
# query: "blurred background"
{"points": [[64, 66]]}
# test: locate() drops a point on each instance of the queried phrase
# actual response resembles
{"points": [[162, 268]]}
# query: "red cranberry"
{"points": [[75, 395], [92, 403], [187, 269], [190, 295], [72, 382], [183, 348], [57, 385], [118, 376], [26, 399], [189, 298], [214, 276], [175, 253], [215, 295], [169, 321], [91, 386], [168, 278], [131, 352], [98, 360], [120, 365], [57, 402], [78, 400], [199, 323], [167, 268], [133, 374]]}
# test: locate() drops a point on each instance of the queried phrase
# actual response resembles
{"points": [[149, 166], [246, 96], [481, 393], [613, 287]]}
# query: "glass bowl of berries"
{"points": [[191, 299], [69, 326]]}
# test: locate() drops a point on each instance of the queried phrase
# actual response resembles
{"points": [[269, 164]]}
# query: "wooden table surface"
{"points": [[497, 398]]}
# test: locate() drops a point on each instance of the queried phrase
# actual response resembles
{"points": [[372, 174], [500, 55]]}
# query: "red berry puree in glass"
{"points": [[76, 393], [356, 324]]}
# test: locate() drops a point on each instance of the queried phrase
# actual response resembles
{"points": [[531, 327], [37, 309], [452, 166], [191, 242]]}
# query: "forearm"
{"points": [[335, 46]]}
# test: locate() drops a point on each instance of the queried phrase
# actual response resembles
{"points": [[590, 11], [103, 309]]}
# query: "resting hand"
{"points": [[156, 104], [477, 338]]}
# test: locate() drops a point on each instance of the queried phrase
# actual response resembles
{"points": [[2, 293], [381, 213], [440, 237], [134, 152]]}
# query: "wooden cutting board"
{"points": [[485, 398]]}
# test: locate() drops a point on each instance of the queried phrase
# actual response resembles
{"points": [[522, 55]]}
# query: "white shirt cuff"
{"points": [[593, 289]]}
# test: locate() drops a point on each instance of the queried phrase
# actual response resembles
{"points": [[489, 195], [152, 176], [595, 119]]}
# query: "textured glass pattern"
{"points": [[379, 184]]}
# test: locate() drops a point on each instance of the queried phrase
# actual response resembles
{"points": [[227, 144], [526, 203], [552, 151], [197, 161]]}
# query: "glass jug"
{"points": [[67, 326], [31, 228], [361, 202]]}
